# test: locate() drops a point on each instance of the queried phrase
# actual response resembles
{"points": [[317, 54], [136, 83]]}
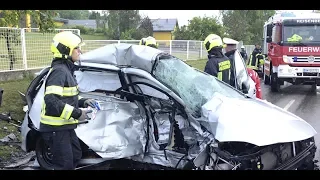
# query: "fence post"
{"points": [[201, 46], [170, 50], [188, 50], [119, 41], [23, 49]]}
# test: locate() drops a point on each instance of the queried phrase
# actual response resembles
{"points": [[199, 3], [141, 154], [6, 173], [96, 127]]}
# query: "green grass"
{"points": [[11, 102], [94, 37], [199, 64]]}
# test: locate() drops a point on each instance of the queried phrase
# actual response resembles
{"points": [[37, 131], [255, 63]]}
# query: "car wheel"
{"points": [[43, 154]]}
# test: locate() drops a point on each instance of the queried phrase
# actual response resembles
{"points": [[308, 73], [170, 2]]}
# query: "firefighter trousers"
{"points": [[65, 148]]}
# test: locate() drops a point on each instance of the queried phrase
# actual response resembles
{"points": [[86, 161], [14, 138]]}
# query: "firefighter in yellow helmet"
{"points": [[218, 64], [61, 111], [149, 41], [256, 58]]}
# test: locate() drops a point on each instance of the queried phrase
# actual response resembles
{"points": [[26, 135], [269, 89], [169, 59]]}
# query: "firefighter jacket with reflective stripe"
{"points": [[230, 55], [244, 55], [60, 108], [256, 59], [219, 66]]}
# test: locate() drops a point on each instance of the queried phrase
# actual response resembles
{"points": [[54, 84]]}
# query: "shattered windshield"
{"points": [[194, 87], [310, 33]]}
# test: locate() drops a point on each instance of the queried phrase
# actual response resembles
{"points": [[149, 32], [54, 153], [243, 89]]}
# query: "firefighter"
{"points": [[244, 53], [256, 58], [61, 111], [294, 38], [218, 64], [230, 48], [149, 41]]}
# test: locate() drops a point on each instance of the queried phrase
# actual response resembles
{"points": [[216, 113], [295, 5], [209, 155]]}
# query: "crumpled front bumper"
{"points": [[297, 161]]}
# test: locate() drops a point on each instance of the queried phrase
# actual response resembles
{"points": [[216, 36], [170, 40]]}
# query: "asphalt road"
{"points": [[299, 100]]}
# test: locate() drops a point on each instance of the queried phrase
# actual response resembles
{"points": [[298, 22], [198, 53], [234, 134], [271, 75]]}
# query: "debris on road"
{"points": [[9, 138], [21, 161]]}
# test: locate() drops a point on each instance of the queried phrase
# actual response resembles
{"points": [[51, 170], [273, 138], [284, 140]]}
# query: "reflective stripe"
{"points": [[54, 90], [224, 65], [255, 66], [70, 91], [62, 91], [252, 67], [220, 76], [67, 111], [56, 121]]}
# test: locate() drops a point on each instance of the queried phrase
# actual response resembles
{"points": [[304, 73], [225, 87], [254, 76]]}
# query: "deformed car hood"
{"points": [[123, 54], [253, 121]]}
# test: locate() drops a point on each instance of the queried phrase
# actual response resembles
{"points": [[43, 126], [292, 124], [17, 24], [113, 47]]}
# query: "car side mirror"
{"points": [[245, 87]]}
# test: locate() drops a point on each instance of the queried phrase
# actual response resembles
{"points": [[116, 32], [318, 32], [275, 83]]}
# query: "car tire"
{"points": [[43, 155]]}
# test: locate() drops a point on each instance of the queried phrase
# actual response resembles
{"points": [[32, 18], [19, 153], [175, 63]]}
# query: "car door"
{"points": [[243, 81]]}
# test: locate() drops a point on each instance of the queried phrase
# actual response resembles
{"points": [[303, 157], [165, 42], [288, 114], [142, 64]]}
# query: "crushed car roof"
{"points": [[123, 54]]}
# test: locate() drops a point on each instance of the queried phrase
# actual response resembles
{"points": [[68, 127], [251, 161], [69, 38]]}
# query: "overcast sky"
{"points": [[184, 15]]}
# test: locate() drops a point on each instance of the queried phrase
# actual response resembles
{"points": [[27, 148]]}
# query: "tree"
{"points": [[12, 18], [94, 15], [74, 14], [121, 21], [245, 25], [199, 28], [181, 33], [145, 29]]}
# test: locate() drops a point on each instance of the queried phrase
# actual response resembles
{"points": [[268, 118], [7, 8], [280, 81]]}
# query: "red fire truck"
{"points": [[292, 45]]}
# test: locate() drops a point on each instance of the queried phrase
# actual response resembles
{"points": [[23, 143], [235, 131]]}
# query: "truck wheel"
{"points": [[43, 154], [314, 87], [266, 79], [275, 85]]}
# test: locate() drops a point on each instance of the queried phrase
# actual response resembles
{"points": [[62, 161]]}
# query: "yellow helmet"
{"points": [[149, 41], [64, 42], [213, 41]]}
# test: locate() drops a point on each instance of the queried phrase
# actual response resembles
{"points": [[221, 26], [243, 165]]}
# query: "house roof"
{"points": [[90, 23], [61, 20], [163, 24]]}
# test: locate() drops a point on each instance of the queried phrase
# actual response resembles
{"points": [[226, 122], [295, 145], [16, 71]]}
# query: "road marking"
{"points": [[289, 104]]}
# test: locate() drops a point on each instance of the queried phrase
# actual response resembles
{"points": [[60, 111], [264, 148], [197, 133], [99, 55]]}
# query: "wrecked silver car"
{"points": [[157, 112]]}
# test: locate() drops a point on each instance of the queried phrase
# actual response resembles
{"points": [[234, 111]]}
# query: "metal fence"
{"points": [[183, 49], [25, 49]]}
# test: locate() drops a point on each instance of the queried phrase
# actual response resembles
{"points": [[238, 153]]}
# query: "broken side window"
{"points": [[147, 89], [89, 81], [194, 87]]}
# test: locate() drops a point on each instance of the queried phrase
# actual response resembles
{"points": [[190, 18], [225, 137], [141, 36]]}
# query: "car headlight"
{"points": [[286, 59]]}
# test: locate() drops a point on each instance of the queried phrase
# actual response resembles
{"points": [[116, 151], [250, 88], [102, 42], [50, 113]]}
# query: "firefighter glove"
{"points": [[90, 102], [84, 115]]}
